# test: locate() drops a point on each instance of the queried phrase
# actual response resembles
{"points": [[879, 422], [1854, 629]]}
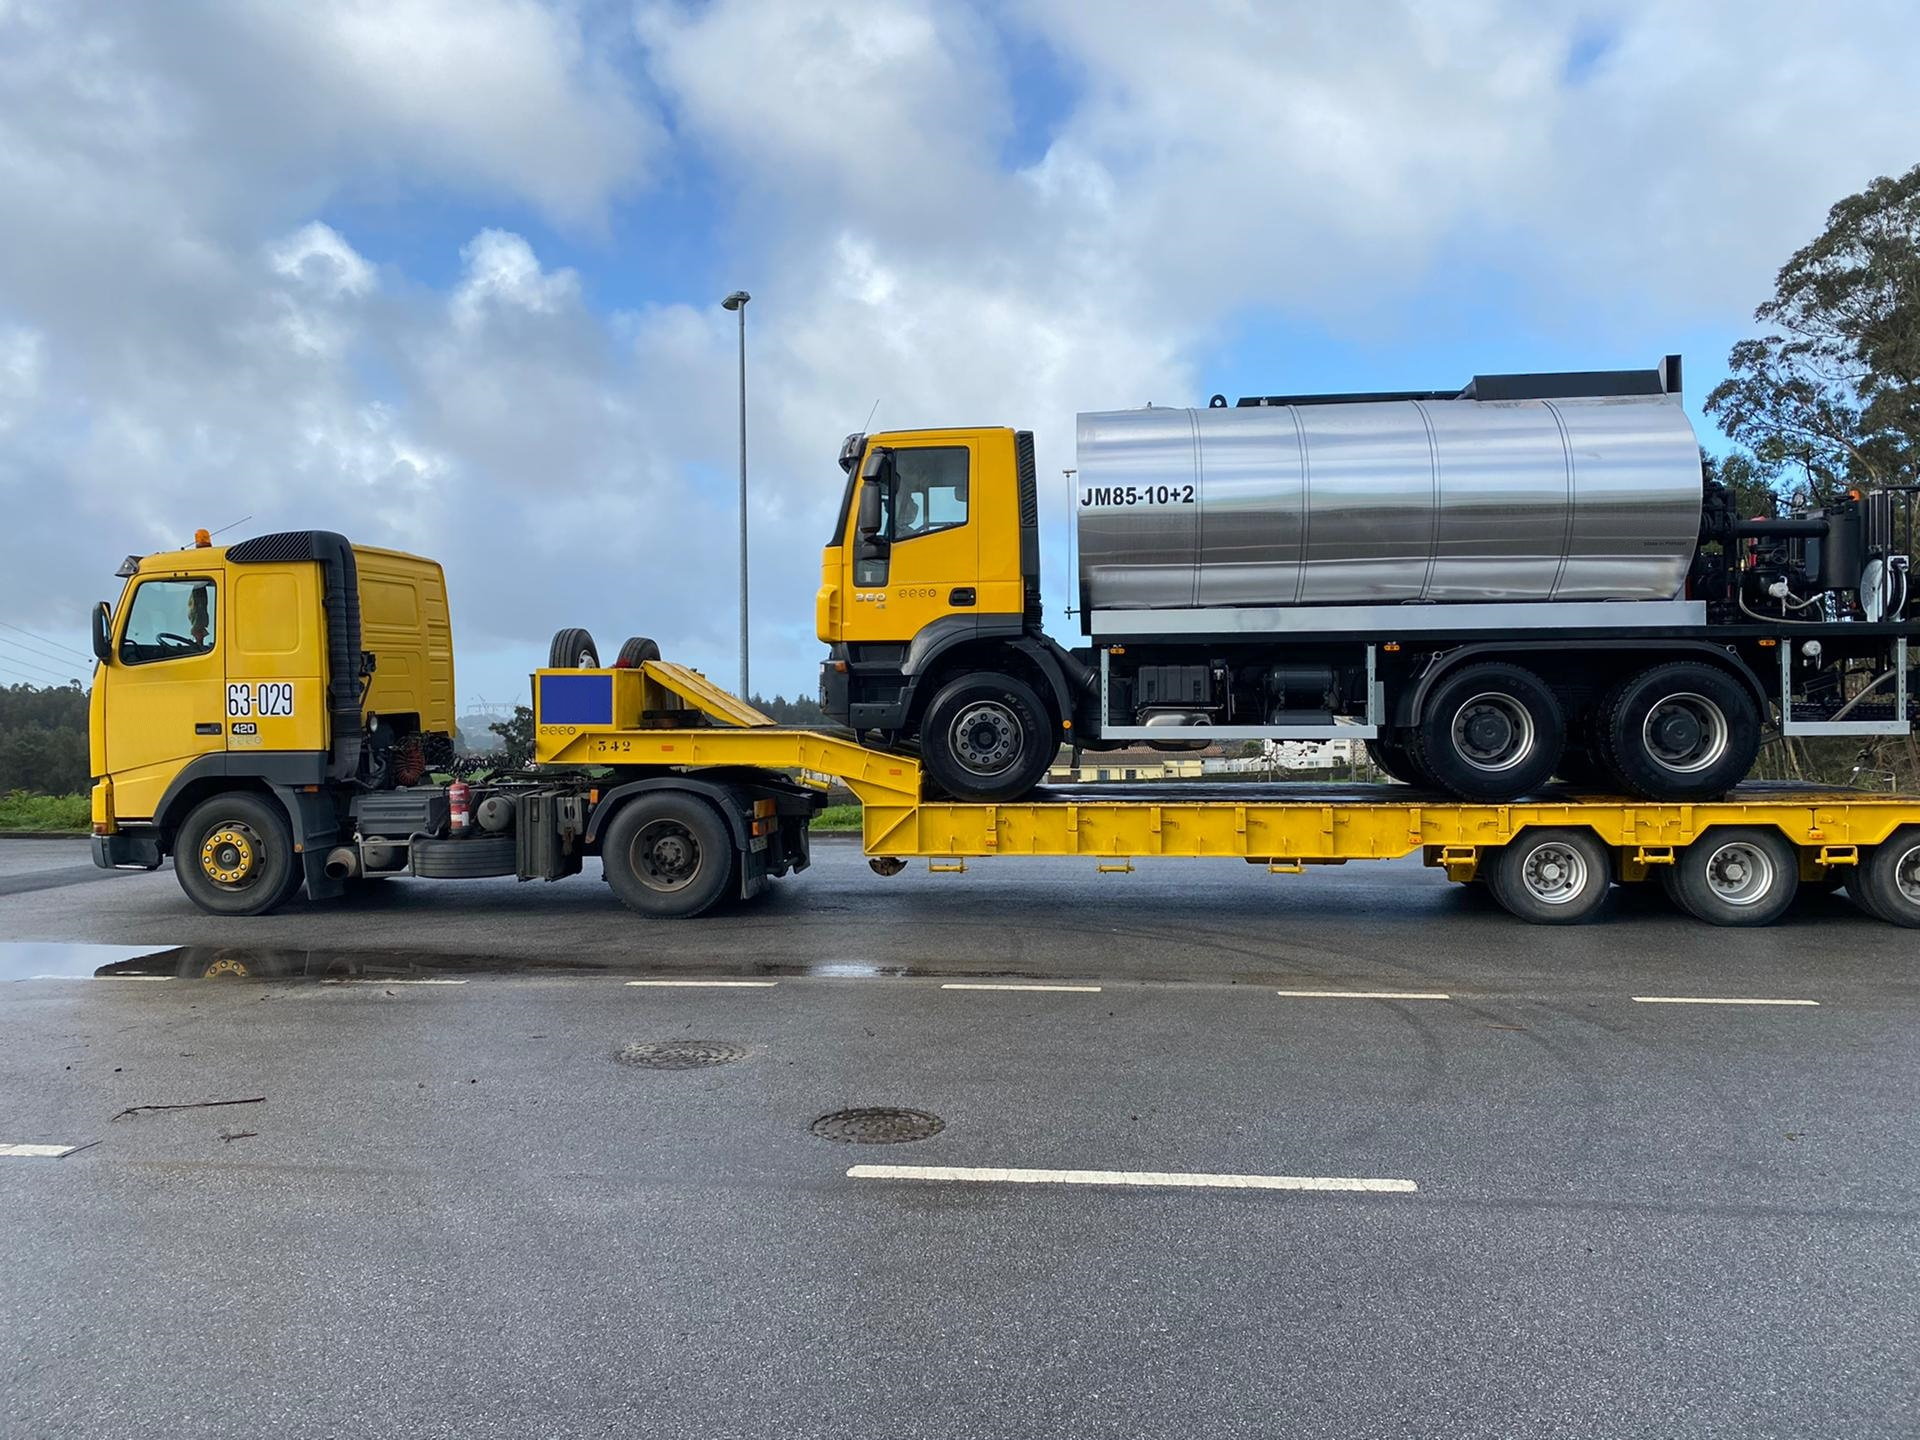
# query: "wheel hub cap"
{"points": [[1685, 733], [230, 855], [1555, 874], [1740, 874], [666, 856], [1493, 732], [986, 738]]}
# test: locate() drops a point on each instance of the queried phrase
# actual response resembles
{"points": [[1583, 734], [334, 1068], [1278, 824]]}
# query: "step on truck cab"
{"points": [[1522, 578]]}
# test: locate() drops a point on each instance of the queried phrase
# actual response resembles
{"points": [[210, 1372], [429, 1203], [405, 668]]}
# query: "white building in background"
{"points": [[1310, 754]]}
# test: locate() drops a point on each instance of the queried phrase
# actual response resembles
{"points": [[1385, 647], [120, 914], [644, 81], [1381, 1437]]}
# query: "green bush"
{"points": [[838, 817], [22, 811]]}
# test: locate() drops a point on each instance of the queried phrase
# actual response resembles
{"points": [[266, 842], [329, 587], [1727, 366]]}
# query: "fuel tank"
{"points": [[1381, 501]]}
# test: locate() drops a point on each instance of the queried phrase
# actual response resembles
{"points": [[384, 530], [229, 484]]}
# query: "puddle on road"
{"points": [[66, 960], [56, 960]]}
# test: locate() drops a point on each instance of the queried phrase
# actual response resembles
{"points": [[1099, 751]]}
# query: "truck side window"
{"points": [[931, 493], [169, 620]]}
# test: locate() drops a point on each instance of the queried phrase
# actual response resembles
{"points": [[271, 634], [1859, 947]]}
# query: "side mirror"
{"points": [[869, 528], [102, 631]]}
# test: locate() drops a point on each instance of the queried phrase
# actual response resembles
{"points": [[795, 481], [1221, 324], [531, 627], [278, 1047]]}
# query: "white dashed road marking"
{"points": [[710, 984], [1712, 1000], [1364, 994], [100, 977], [36, 1152], [1189, 1180], [1064, 989]]}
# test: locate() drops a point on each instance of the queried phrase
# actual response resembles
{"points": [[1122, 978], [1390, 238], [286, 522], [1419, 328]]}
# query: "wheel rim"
{"points": [[1554, 873], [231, 855], [986, 737], [1740, 873], [1685, 733], [1493, 732], [1906, 875], [665, 855]]}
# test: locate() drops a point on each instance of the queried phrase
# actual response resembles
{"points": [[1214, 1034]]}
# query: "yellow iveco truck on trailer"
{"points": [[278, 714]]}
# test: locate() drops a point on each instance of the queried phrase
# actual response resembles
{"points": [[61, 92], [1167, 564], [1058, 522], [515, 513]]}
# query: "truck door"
{"points": [[166, 687], [928, 564]]}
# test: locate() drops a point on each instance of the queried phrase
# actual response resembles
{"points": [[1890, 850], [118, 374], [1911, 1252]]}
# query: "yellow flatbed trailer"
{"points": [[1736, 861]]}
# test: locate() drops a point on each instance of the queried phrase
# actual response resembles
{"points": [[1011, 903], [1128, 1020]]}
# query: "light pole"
{"points": [[737, 301]]}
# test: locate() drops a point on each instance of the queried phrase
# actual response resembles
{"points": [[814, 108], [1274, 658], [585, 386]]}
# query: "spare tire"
{"points": [[474, 857], [572, 649], [636, 652]]}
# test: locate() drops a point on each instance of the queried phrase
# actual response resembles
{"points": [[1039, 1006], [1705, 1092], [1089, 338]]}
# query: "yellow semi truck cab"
{"points": [[929, 604], [286, 660]]}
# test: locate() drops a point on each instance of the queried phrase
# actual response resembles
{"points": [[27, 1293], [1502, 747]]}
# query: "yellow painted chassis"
{"points": [[668, 715]]}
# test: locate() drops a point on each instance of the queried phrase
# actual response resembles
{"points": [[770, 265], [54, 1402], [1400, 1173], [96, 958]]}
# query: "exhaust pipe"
{"points": [[343, 863]]}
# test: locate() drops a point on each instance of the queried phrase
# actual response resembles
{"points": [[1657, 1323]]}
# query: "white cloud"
{"points": [[319, 260], [503, 273]]}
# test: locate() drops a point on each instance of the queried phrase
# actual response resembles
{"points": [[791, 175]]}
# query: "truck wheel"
{"points": [[1491, 731], [1552, 877], [668, 855], [572, 649], [636, 652], [234, 855], [1734, 876], [1887, 883], [987, 737], [1682, 731]]}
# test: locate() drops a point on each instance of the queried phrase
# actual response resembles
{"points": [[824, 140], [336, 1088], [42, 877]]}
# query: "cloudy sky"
{"points": [[444, 274]]}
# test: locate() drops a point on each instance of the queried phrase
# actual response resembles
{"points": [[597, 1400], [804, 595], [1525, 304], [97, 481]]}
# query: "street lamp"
{"points": [[737, 301]]}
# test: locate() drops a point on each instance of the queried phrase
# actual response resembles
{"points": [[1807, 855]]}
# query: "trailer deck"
{"points": [[1765, 839]]}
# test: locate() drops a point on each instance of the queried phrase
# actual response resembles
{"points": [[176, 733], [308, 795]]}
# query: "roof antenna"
{"points": [[229, 525], [870, 414]]}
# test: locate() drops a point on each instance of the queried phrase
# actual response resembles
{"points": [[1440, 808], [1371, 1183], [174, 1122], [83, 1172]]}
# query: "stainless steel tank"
{"points": [[1438, 500]]}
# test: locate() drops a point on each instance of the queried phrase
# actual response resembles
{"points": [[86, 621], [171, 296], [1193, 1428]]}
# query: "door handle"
{"points": [[960, 595], [206, 729]]}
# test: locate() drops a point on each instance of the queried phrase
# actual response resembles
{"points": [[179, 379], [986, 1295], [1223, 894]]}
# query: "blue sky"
{"points": [[444, 274]]}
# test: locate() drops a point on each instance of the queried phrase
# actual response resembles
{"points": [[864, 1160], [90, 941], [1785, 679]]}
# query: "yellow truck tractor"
{"points": [[274, 713]]}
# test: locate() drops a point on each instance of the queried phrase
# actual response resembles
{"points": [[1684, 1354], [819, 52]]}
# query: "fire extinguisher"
{"points": [[459, 797]]}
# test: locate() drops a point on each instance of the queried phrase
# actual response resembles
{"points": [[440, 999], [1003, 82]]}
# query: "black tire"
{"points": [[1735, 875], [234, 855], [987, 737], [1680, 731], [1388, 751], [1491, 731], [1552, 877], [1887, 883], [572, 649], [669, 855], [637, 650], [472, 857]]}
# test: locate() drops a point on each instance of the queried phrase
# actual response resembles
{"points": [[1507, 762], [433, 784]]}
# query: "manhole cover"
{"points": [[679, 1054], [877, 1125]]}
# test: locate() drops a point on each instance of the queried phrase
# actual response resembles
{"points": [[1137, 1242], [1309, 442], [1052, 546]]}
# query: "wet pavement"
{"points": [[489, 1160]]}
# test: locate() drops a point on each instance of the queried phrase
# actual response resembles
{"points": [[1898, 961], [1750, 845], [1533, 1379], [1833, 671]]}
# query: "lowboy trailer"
{"points": [[1552, 860]]}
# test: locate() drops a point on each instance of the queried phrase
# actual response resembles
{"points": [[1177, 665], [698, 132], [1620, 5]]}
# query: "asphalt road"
{"points": [[455, 1211]]}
